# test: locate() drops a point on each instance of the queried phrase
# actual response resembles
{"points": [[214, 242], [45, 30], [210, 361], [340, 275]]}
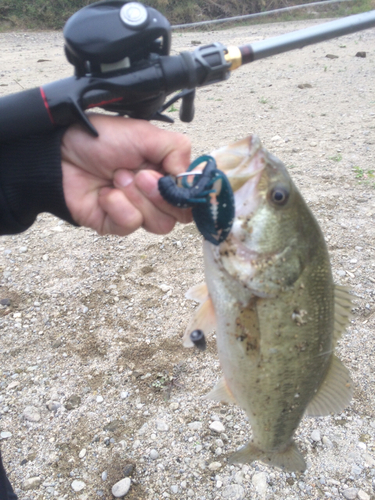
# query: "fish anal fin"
{"points": [[343, 310], [289, 459], [199, 293], [204, 319], [221, 392], [335, 392]]}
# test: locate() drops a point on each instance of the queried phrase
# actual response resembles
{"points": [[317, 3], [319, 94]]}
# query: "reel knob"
{"points": [[134, 15]]}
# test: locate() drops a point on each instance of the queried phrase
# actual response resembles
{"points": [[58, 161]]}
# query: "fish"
{"points": [[270, 296]]}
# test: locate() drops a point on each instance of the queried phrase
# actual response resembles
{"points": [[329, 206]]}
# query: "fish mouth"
{"points": [[241, 161]]}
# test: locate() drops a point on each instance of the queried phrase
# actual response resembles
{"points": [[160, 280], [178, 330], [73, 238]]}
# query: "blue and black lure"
{"points": [[209, 194]]}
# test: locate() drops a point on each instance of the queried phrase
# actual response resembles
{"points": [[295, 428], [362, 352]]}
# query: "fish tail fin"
{"points": [[289, 459]]}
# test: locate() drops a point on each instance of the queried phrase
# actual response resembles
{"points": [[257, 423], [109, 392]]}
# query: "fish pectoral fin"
{"points": [[289, 459], [204, 319], [199, 293], [343, 310], [221, 392], [335, 392]]}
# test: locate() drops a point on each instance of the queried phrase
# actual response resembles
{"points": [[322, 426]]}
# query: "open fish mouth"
{"points": [[241, 161]]}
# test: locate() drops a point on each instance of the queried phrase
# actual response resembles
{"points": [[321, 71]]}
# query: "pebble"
{"points": [[259, 481], [82, 453], [350, 493], [99, 399], [78, 485], [124, 394], [72, 402], [162, 426], [234, 492], [154, 454], [195, 426], [214, 466], [104, 475], [128, 470], [23, 249], [327, 442], [31, 483], [121, 488], [362, 495], [315, 435], [5, 435], [174, 489], [174, 406], [31, 414], [217, 426]]}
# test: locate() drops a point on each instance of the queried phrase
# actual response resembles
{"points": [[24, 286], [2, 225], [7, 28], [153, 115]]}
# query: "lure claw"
{"points": [[210, 196]]}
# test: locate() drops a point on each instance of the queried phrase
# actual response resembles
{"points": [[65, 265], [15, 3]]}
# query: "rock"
{"points": [[104, 475], [56, 343], [327, 442], [5, 302], [360, 54], [72, 402], [53, 406], [124, 394], [113, 426], [128, 470], [82, 453], [162, 426], [214, 466], [31, 483], [174, 406], [362, 495], [174, 489], [234, 492], [78, 485], [147, 269], [195, 426], [154, 454], [259, 481], [165, 288], [315, 435], [350, 493], [217, 426], [5, 435], [31, 414], [23, 249], [99, 399], [305, 86], [332, 56], [121, 488]]}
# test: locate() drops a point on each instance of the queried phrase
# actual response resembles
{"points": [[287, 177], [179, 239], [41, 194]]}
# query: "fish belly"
{"points": [[274, 358]]}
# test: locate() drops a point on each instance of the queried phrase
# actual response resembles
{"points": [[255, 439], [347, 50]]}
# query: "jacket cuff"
{"points": [[31, 181]]}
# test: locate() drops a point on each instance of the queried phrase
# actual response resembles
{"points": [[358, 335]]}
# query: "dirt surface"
{"points": [[100, 318]]}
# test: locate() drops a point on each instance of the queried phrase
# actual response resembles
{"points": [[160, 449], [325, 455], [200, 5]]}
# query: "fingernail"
{"points": [[124, 178]]}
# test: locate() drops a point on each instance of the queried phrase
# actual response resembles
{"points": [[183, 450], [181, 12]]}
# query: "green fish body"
{"points": [[277, 311]]}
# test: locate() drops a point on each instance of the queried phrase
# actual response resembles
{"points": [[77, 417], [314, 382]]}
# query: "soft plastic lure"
{"points": [[209, 194]]}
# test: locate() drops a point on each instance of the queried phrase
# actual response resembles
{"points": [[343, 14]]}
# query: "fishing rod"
{"points": [[121, 56]]}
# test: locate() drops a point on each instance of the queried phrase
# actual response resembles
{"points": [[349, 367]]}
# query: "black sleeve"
{"points": [[31, 181]]}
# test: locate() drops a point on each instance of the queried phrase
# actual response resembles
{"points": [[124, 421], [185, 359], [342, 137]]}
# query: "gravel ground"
{"points": [[94, 384]]}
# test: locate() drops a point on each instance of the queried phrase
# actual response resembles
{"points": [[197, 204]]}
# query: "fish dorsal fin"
{"points": [[343, 308], [335, 392], [199, 293], [204, 319], [221, 392]]}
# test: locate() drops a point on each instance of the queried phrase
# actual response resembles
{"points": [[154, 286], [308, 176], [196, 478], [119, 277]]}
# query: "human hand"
{"points": [[110, 182]]}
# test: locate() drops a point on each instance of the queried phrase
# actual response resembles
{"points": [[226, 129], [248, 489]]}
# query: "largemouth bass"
{"points": [[278, 314]]}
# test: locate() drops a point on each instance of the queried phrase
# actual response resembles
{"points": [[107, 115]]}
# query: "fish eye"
{"points": [[279, 195]]}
